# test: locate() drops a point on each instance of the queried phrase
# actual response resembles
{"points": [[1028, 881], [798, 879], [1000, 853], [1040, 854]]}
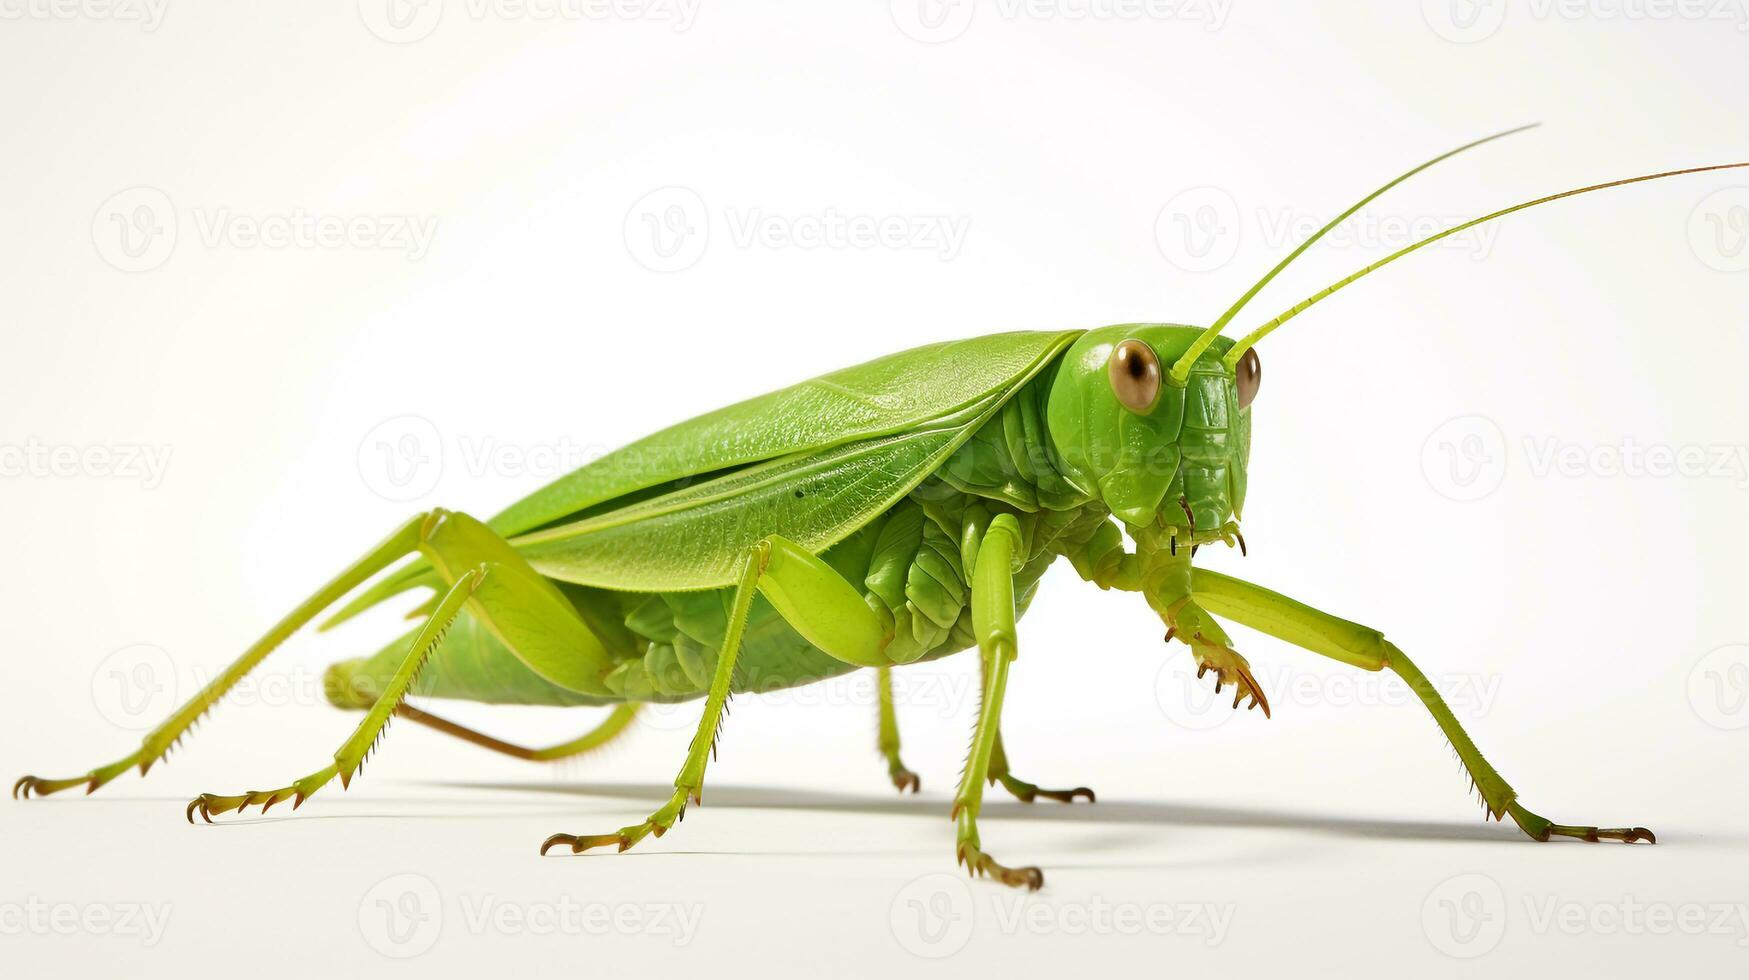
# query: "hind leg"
{"points": [[352, 753], [159, 741], [488, 578], [888, 740], [610, 728]]}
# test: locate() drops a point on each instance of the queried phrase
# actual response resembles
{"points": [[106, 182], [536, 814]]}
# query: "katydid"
{"points": [[883, 515]]}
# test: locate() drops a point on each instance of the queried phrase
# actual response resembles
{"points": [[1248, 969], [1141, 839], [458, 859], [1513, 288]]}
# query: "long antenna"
{"points": [[1180, 370], [1254, 336]]}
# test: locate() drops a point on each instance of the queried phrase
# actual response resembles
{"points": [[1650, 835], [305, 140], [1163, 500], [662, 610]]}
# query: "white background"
{"points": [[309, 394]]}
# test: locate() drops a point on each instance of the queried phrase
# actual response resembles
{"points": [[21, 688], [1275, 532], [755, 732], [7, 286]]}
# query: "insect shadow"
{"points": [[1107, 812]]}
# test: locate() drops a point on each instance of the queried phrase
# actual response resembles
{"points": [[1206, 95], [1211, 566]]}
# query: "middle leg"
{"points": [[993, 621], [819, 604], [1020, 789]]}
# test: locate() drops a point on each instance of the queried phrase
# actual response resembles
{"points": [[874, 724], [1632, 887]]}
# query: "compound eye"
{"points": [[1135, 375], [1247, 377]]}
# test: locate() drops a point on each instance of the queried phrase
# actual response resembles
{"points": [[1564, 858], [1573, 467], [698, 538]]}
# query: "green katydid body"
{"points": [[930, 465], [879, 516]]}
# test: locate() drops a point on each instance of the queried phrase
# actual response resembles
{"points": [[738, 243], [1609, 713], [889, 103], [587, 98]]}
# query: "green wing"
{"points": [[812, 462], [893, 394]]}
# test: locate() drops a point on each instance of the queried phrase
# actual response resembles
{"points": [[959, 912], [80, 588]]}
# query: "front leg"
{"points": [[1213, 650], [1160, 569], [1367, 648]]}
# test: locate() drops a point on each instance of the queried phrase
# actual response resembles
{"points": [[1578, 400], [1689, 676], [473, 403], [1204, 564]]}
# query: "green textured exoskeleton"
{"points": [[882, 515]]}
